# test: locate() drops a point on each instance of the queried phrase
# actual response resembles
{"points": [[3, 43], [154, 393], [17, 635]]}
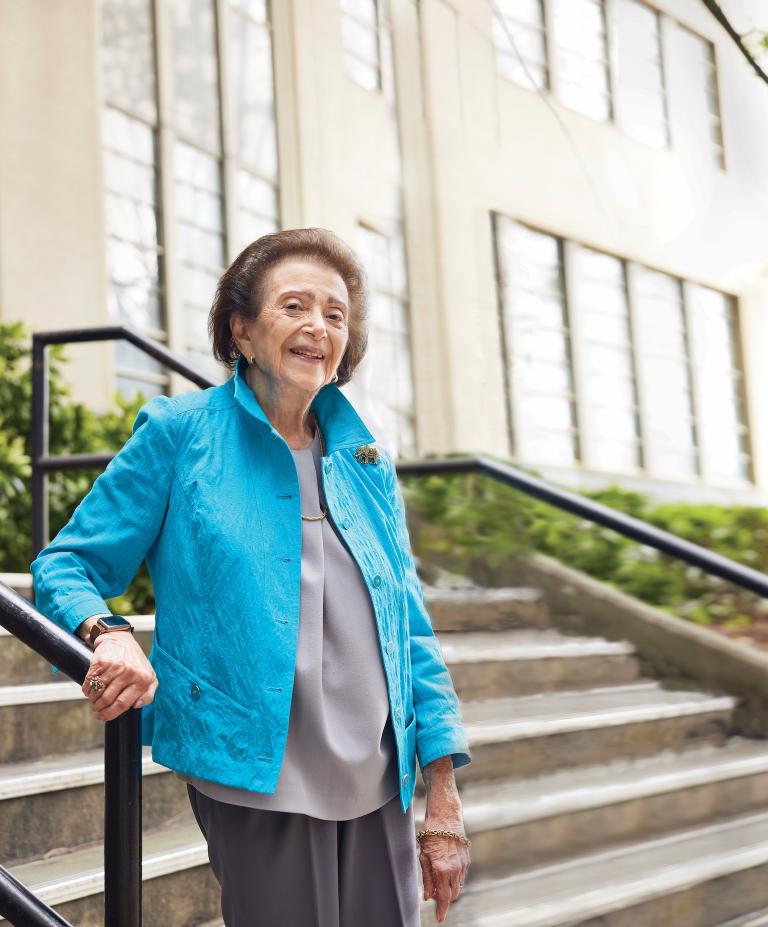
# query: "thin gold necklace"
{"points": [[322, 515]]}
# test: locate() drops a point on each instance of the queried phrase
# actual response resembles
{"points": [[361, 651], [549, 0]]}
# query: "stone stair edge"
{"points": [[590, 889]]}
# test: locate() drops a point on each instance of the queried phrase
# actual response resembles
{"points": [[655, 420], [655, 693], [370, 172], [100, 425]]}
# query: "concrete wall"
{"points": [[465, 142], [52, 260]]}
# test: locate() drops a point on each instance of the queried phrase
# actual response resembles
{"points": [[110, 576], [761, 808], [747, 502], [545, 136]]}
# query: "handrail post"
{"points": [[122, 821], [40, 425]]}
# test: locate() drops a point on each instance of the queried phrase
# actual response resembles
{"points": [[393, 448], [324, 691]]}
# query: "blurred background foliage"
{"points": [[74, 429], [464, 517]]}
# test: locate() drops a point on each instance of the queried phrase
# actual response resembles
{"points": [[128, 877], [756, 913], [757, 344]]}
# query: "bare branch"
{"points": [[716, 11]]}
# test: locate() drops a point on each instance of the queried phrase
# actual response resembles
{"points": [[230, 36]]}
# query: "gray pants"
{"points": [[277, 868]]}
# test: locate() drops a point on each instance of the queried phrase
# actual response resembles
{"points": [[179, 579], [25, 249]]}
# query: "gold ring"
{"points": [[96, 683]]}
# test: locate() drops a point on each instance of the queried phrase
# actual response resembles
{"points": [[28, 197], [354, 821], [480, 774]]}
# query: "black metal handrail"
{"points": [[634, 528], [122, 736], [122, 845]]}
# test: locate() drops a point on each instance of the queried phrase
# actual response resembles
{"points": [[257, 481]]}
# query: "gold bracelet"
{"points": [[443, 833]]}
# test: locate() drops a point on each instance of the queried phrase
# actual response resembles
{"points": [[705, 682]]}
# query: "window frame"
{"points": [[703, 474]]}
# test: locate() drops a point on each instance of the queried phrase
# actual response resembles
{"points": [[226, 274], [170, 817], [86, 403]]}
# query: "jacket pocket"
{"points": [[201, 729]]}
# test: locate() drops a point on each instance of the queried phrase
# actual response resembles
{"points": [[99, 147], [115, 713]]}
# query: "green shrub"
{"points": [[470, 517], [73, 429]]}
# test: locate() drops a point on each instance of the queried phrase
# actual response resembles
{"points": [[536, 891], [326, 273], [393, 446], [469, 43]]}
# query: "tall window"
{"points": [[366, 43], [538, 349], [715, 350], [671, 441], [389, 375], [220, 104], [197, 172], [520, 41], [253, 106], [700, 93], [581, 56], [640, 88], [616, 366], [129, 144], [600, 312], [605, 59]]}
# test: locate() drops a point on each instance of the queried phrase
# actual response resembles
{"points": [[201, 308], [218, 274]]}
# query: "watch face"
{"points": [[114, 621]]}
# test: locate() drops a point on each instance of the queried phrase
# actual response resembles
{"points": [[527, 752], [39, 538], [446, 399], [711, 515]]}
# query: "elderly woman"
{"points": [[294, 675]]}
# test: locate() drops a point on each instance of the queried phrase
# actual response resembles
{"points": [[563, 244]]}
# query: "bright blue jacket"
{"points": [[207, 490]]}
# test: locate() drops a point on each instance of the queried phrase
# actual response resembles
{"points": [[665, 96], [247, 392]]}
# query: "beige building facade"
{"points": [[561, 206]]}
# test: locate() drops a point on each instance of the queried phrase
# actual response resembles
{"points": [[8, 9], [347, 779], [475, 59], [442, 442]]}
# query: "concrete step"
{"points": [[496, 664], [21, 583], [694, 878], [755, 919], [536, 734], [524, 822], [44, 719], [178, 886], [37, 798], [476, 608], [21, 666]]}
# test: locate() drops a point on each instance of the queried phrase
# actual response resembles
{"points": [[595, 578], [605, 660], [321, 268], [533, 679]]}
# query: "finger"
{"points": [[443, 894], [455, 885], [120, 702], [147, 696], [92, 694], [426, 875]]}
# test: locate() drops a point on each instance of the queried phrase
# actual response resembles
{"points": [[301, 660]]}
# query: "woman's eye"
{"points": [[293, 305], [337, 317]]}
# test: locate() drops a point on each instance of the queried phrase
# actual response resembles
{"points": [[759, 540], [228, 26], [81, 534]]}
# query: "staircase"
{"points": [[596, 796]]}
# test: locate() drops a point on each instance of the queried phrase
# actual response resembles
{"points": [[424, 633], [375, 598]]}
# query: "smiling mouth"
{"points": [[312, 358]]}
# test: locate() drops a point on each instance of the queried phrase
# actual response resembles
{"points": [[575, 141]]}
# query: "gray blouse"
{"points": [[340, 755]]}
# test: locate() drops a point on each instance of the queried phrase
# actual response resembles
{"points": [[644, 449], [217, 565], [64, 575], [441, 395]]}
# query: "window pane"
{"points": [[518, 36], [360, 42], [716, 355], [387, 366], [599, 304], [252, 90], [639, 75], [701, 109], [256, 209], [200, 245], [127, 56], [671, 448], [196, 86], [581, 56], [538, 344]]}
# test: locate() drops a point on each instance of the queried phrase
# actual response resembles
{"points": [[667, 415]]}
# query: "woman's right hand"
{"points": [[128, 677]]}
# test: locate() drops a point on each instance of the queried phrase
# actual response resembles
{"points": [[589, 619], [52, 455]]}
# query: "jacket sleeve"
{"points": [[439, 727], [98, 552]]}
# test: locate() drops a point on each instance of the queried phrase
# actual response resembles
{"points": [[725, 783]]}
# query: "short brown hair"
{"points": [[240, 290]]}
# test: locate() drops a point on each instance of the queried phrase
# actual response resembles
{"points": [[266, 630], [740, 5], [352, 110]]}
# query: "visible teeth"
{"points": [[306, 353]]}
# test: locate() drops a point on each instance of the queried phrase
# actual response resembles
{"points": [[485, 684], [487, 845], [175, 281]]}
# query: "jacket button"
{"points": [[406, 777], [398, 712], [377, 580], [346, 523], [194, 691], [390, 646], [328, 466]]}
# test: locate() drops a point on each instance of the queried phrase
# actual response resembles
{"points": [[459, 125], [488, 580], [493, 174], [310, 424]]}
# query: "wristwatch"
{"points": [[108, 623]]}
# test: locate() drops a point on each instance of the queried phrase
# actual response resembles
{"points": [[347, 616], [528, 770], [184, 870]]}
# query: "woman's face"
{"points": [[306, 308]]}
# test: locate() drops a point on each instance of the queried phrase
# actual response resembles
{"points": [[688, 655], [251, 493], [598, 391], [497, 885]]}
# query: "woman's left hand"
{"points": [[444, 864], [444, 860]]}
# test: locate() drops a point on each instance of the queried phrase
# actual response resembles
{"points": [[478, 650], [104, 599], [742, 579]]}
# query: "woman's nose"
{"points": [[315, 323]]}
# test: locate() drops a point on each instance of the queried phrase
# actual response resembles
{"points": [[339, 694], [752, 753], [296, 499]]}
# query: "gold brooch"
{"points": [[367, 453]]}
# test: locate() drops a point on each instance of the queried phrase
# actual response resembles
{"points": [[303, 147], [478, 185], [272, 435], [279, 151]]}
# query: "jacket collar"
{"points": [[340, 424]]}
